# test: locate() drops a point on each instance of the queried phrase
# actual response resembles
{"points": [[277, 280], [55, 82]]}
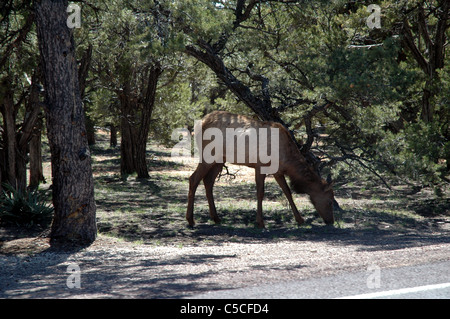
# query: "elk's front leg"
{"points": [[260, 195], [287, 192], [194, 180], [208, 181]]}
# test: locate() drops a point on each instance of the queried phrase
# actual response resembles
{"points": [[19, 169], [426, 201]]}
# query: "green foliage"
{"points": [[178, 109], [309, 51], [425, 151], [28, 208], [206, 19]]}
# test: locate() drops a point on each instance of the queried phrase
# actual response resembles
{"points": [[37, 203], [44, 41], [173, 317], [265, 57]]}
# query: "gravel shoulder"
{"points": [[110, 268]]}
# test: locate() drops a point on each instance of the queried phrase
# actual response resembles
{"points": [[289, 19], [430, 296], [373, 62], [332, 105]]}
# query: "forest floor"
{"points": [[146, 250]]}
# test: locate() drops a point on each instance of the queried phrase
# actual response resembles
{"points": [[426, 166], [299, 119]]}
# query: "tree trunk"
{"points": [[127, 130], [141, 158], [83, 72], [90, 127], [146, 116], [113, 135], [126, 147], [9, 122], [24, 136], [17, 141], [133, 142], [36, 171], [21, 168], [73, 187], [35, 132], [135, 125], [427, 107]]}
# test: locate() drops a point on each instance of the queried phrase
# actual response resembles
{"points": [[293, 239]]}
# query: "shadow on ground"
{"points": [[153, 213]]}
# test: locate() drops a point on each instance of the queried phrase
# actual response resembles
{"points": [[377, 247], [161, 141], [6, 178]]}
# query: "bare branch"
{"points": [[408, 41], [261, 107], [230, 176], [439, 42], [423, 29], [366, 46], [20, 38], [307, 119]]}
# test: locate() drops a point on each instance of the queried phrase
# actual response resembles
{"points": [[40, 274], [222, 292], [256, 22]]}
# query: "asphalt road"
{"points": [[419, 281]]}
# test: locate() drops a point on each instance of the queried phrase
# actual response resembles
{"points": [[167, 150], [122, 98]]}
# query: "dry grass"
{"points": [[153, 211]]}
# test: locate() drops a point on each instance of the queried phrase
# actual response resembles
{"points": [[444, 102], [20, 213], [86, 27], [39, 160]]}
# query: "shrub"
{"points": [[27, 208], [427, 152]]}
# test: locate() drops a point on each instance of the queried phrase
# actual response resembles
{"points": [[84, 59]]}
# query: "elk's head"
{"points": [[323, 199]]}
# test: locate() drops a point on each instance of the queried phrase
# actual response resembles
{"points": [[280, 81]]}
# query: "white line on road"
{"points": [[396, 292]]}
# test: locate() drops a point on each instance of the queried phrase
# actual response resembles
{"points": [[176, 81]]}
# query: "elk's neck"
{"points": [[304, 180]]}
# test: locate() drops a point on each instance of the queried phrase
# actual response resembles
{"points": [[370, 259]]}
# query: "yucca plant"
{"points": [[24, 208]]}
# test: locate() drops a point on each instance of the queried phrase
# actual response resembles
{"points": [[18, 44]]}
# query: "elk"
{"points": [[287, 162]]}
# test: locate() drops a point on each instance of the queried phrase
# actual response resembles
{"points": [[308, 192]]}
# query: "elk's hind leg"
{"points": [[259, 195], [208, 181], [200, 172]]}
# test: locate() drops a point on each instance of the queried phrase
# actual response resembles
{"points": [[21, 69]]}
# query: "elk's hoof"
{"points": [[261, 225], [191, 222]]}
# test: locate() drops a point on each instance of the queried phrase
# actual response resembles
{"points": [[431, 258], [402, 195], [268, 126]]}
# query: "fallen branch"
{"points": [[230, 176]]}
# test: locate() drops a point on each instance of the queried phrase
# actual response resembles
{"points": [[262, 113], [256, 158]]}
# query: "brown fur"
{"points": [[291, 163]]}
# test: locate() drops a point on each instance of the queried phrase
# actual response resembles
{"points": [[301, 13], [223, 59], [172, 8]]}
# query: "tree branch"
{"points": [[241, 15], [287, 66], [439, 42], [423, 29], [408, 41], [307, 119], [261, 107], [20, 38]]}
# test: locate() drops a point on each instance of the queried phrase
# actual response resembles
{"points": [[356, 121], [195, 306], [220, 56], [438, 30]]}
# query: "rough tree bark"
{"points": [[135, 125], [36, 171], [35, 133], [17, 137], [83, 72], [147, 111], [113, 135], [73, 187], [127, 130], [24, 136], [10, 142]]}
